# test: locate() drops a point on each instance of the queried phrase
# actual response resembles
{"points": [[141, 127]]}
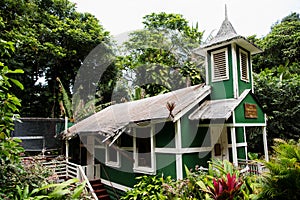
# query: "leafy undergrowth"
{"points": [[222, 181]]}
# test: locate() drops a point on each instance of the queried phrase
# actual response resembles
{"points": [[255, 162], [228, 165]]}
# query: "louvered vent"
{"points": [[219, 66], [244, 66]]}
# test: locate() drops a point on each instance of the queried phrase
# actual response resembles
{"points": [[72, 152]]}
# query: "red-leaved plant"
{"points": [[225, 188]]}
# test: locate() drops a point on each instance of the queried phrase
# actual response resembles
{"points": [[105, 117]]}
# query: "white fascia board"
{"points": [[115, 185]]}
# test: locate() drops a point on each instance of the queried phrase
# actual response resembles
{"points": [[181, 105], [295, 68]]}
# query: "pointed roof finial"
{"points": [[226, 16]]}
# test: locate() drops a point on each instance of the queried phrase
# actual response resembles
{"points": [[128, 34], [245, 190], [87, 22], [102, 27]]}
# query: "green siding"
{"points": [[192, 159], [241, 153], [240, 111], [243, 85], [189, 131], [203, 138], [117, 176], [123, 175], [192, 135], [114, 194], [166, 164], [165, 136], [239, 132], [221, 89], [239, 135]]}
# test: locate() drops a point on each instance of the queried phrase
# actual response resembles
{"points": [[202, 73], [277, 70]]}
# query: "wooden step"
{"points": [[100, 192], [97, 185], [95, 181], [103, 197], [99, 189]]}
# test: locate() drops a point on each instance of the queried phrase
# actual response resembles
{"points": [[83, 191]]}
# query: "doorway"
{"points": [[219, 142]]}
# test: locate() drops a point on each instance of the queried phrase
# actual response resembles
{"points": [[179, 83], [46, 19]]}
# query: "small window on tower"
{"points": [[244, 66], [220, 65]]}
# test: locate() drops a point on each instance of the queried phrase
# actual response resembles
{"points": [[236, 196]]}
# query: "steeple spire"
{"points": [[226, 16]]}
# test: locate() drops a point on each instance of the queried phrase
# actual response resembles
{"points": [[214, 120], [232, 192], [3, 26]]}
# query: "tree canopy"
{"points": [[277, 82], [156, 58], [281, 45], [51, 39]]}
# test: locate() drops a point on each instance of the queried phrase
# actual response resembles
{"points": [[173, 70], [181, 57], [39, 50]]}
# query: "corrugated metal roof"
{"points": [[217, 109], [112, 119]]}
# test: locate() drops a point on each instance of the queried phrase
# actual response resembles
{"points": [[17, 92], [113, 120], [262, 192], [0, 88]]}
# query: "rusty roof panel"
{"points": [[113, 118]]}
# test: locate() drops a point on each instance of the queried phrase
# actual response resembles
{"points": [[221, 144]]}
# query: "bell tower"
{"points": [[229, 66]]}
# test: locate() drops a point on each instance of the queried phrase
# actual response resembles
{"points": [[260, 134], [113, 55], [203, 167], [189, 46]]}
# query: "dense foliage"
{"points": [[282, 179], [223, 181], [281, 45], [277, 82], [158, 58], [18, 179], [220, 181], [51, 39]]}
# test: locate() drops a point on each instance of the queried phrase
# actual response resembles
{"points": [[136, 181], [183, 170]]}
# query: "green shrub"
{"points": [[223, 181], [282, 178], [148, 188]]}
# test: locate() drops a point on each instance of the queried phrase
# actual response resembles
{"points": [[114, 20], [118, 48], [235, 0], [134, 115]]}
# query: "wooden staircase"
{"points": [[99, 189]]}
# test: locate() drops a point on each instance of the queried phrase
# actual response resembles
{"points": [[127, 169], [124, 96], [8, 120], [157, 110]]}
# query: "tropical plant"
{"points": [[223, 181], [68, 190], [282, 177], [225, 188], [148, 188], [187, 188]]}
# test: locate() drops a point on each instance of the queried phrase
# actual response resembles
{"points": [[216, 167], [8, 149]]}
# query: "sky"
{"points": [[247, 17]]}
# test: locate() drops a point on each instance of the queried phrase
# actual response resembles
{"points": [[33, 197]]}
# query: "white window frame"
{"points": [[109, 162], [136, 167], [216, 79], [247, 67]]}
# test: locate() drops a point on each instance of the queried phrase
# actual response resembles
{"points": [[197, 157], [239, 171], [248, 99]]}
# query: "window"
{"points": [[144, 150], [220, 65], [244, 66], [112, 155]]}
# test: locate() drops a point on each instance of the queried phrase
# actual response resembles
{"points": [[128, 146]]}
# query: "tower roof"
{"points": [[227, 34]]}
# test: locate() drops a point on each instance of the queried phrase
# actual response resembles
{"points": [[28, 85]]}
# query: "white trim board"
{"points": [[182, 150], [244, 144], [233, 125], [115, 185]]}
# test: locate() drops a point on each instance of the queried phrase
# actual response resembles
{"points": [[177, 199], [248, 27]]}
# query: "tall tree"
{"points": [[51, 40], [277, 83], [157, 57], [281, 45]]}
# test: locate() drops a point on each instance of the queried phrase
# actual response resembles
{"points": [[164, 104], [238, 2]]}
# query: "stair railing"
{"points": [[83, 177], [65, 169]]}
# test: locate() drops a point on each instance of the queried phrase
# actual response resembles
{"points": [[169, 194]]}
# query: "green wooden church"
{"points": [[186, 127]]}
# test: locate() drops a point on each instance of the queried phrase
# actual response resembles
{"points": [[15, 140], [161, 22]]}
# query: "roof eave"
{"points": [[240, 40]]}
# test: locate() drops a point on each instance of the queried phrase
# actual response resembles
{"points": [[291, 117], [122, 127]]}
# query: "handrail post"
{"points": [[67, 169], [66, 142]]}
